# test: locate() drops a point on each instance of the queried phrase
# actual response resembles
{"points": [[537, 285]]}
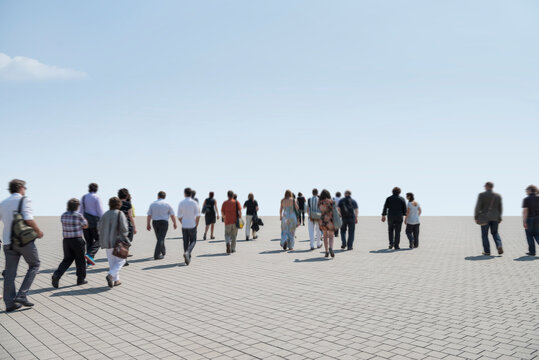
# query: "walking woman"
{"points": [[211, 214], [411, 220], [127, 209], [289, 220], [112, 227], [326, 221]]}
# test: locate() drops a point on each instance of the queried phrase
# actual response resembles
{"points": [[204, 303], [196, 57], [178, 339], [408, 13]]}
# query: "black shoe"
{"points": [[284, 246], [411, 246], [13, 307], [3, 273], [233, 251], [186, 258], [109, 281], [530, 254], [327, 254], [312, 249], [23, 302], [397, 248], [319, 246], [204, 237], [350, 248], [247, 238], [390, 247], [343, 247], [416, 246], [160, 257], [82, 282], [256, 237], [486, 254], [500, 250], [126, 264], [55, 282], [331, 252], [130, 255]]}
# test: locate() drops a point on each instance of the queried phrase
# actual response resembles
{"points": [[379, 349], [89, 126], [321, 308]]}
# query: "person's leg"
{"points": [[398, 227], [410, 234], [228, 235], [69, 256], [318, 234], [330, 240], [206, 230], [292, 238], [248, 219], [351, 234], [416, 235], [157, 230], [484, 238], [88, 239], [325, 234], [185, 235], [117, 264], [31, 256], [310, 226], [234, 235], [529, 238], [95, 244], [343, 233], [391, 231], [78, 250], [192, 240], [496, 234], [212, 227], [12, 263]]}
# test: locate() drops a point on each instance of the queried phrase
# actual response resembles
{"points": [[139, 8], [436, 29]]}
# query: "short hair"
{"points": [[338, 194], [287, 194], [347, 193], [211, 194], [123, 194], [489, 184], [73, 204], [16, 185], [161, 194], [532, 189], [300, 194], [92, 187], [250, 196], [188, 192], [396, 190], [325, 195], [230, 194], [410, 196], [235, 196], [193, 193], [315, 191], [115, 203]]}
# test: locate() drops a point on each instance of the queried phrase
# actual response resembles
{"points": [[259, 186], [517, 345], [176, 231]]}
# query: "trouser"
{"points": [[394, 226], [350, 225], [302, 216], [160, 227], [532, 233], [74, 250], [115, 264], [314, 234], [92, 241], [493, 226], [189, 240], [13, 254], [412, 231], [231, 232], [248, 223]]}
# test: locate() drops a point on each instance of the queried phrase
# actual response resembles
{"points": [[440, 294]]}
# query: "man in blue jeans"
{"points": [[348, 211], [488, 214], [530, 215]]}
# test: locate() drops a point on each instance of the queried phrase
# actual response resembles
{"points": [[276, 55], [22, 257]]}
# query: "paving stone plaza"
{"points": [[440, 301]]}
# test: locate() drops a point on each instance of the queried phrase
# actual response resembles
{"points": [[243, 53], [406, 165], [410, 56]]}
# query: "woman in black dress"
{"points": [[211, 214], [127, 209]]}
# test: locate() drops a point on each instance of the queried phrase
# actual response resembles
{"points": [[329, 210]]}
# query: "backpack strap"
{"points": [[20, 205]]}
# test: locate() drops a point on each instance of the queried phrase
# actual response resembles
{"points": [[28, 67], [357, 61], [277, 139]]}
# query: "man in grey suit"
{"points": [[488, 214]]}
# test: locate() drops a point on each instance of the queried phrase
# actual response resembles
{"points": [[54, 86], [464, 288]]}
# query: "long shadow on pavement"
{"points": [[316, 259], [271, 252], [480, 257], [140, 260], [216, 241], [164, 266], [213, 255], [526, 258], [42, 290], [16, 311], [382, 251], [83, 291]]}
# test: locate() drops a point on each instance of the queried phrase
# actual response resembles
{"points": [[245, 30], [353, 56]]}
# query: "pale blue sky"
{"points": [[436, 97]]}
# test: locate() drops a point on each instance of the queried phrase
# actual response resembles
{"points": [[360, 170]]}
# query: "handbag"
{"points": [[121, 247], [482, 218], [21, 233], [337, 221], [314, 214], [239, 220]]}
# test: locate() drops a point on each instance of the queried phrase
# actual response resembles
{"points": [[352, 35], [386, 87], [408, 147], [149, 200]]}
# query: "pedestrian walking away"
{"points": [[92, 210], [395, 210], [315, 236], [211, 214], [127, 209], [301, 206], [189, 216], [530, 217], [413, 211], [349, 212], [289, 221], [327, 221], [336, 199], [231, 212], [488, 214], [158, 214], [251, 206]]}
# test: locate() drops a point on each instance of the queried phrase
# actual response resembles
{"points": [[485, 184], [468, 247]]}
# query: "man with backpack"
{"points": [[349, 211], [16, 213]]}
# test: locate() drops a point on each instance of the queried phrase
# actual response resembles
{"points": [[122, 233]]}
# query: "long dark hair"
{"points": [[325, 195]]}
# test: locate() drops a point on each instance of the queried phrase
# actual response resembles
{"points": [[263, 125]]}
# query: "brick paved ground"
{"points": [[441, 301]]}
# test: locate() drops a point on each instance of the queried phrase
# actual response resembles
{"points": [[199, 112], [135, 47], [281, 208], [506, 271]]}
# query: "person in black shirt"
{"points": [[252, 209], [530, 215], [301, 205], [211, 214], [127, 209], [348, 211], [395, 209]]}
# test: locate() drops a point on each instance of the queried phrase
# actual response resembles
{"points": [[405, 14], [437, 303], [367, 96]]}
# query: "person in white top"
{"points": [[158, 215], [314, 221], [189, 216], [17, 200], [337, 198]]}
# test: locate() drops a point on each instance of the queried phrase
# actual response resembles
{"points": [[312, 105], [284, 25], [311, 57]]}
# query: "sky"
{"points": [[435, 97]]}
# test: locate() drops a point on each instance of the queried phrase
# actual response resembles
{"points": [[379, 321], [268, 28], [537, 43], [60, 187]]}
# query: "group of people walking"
{"points": [[86, 227]]}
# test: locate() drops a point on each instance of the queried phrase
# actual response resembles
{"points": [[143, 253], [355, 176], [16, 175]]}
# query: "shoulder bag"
{"points": [[314, 214], [239, 219], [121, 247], [337, 221], [21, 233]]}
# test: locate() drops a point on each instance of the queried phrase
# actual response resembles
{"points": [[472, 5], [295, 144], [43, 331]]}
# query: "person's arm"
{"points": [[99, 207], [356, 213], [223, 211], [384, 210], [130, 216], [525, 217], [477, 208], [256, 203], [34, 226], [174, 221], [148, 222], [83, 222], [81, 208], [407, 214], [281, 211], [123, 227], [197, 214], [500, 208], [403, 207], [419, 211]]}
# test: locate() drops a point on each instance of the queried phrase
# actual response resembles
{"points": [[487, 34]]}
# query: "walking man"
{"points": [[530, 215], [92, 210], [349, 211], [189, 216], [158, 214], [394, 209], [231, 212], [315, 215], [488, 214], [251, 206], [17, 202]]}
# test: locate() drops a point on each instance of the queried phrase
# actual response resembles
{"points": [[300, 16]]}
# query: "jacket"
{"points": [[485, 201], [108, 229]]}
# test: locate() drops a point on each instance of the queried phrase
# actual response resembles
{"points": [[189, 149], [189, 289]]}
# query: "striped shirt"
{"points": [[312, 205], [72, 223]]}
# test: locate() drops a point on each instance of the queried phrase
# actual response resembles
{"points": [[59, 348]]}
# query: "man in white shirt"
{"points": [[314, 221], [158, 215], [189, 216], [13, 299]]}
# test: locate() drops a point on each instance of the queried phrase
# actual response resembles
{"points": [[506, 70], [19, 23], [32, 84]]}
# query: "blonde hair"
{"points": [[287, 194]]}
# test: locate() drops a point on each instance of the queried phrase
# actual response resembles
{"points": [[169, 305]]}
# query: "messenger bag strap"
{"points": [[20, 205]]}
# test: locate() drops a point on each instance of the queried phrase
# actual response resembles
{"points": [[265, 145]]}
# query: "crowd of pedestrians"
{"points": [[86, 228]]}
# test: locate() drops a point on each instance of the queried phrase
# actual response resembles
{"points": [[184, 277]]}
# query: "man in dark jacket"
{"points": [[488, 214], [394, 209]]}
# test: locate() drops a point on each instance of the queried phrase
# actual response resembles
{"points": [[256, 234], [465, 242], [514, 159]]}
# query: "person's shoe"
{"points": [[397, 248], [411, 246], [233, 251], [343, 247], [186, 258], [486, 253], [55, 282], [160, 257], [13, 307], [256, 237], [500, 250], [212, 237], [109, 280], [291, 249], [82, 282], [319, 246], [228, 248], [350, 248], [89, 259], [530, 254], [327, 254], [416, 246], [129, 255], [3, 273], [117, 283], [312, 249], [126, 263], [247, 238], [284, 246], [331, 252], [23, 302], [390, 247], [204, 237]]}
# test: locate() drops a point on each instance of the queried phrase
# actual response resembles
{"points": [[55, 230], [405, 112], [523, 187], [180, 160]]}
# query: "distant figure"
{"points": [[530, 215], [112, 227], [211, 214], [349, 212], [336, 199], [326, 221], [158, 214], [189, 216], [289, 221], [74, 245], [395, 209], [251, 206], [301, 207], [488, 214], [127, 209], [193, 195], [231, 212], [315, 235], [17, 202], [92, 210], [411, 220]]}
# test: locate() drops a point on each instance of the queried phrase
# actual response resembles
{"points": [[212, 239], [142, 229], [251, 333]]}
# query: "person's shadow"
{"points": [[164, 266], [278, 251], [213, 255], [526, 258], [479, 257], [81, 291], [382, 251], [309, 260]]}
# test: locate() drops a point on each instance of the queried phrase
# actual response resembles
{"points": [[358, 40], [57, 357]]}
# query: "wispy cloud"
{"points": [[20, 68]]}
